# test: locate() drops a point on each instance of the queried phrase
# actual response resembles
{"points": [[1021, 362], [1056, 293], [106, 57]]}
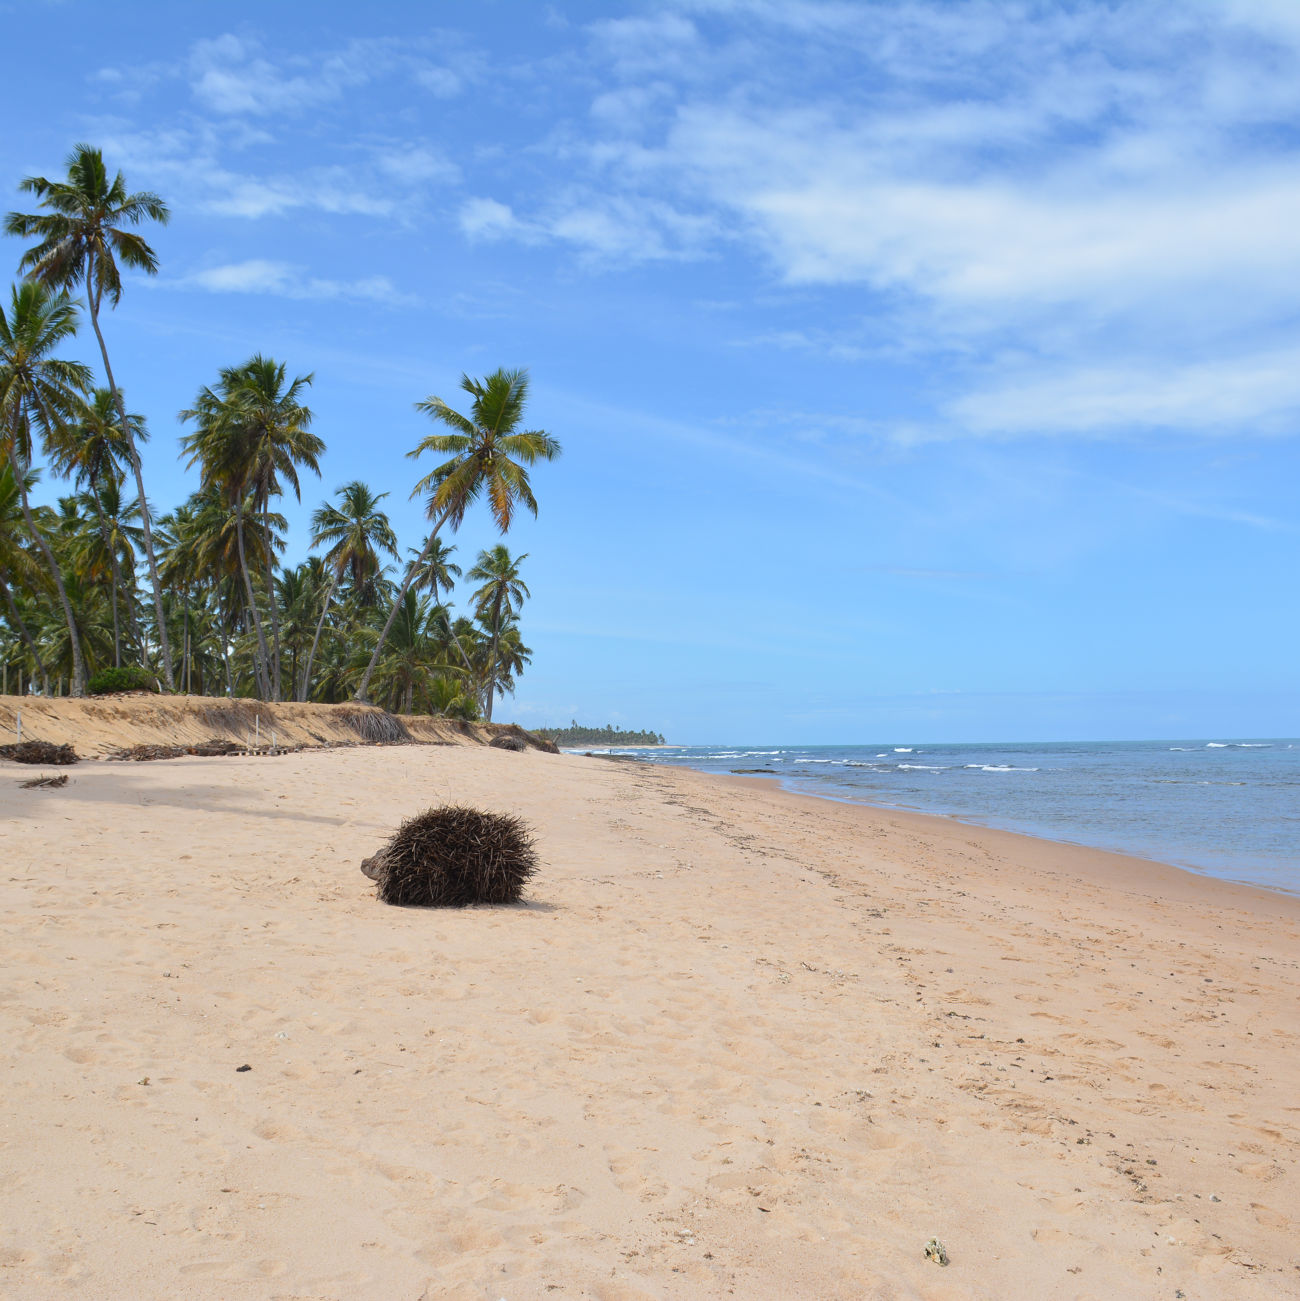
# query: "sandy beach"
{"points": [[736, 1043]]}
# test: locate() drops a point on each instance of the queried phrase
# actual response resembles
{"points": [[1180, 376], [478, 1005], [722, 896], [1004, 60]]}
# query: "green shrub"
{"points": [[128, 678]]}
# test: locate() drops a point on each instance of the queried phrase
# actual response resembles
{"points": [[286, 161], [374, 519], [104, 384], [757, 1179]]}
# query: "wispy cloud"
{"points": [[284, 280]]}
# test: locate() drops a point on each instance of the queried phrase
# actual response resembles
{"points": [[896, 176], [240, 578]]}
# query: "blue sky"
{"points": [[924, 371]]}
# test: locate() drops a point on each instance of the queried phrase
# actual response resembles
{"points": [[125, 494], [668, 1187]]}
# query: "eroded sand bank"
{"points": [[738, 1043]]}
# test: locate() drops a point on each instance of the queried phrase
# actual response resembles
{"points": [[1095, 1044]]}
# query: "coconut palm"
{"points": [[487, 455], [498, 600], [39, 392], [18, 567], [253, 435], [92, 450], [432, 566], [82, 237], [356, 531]]}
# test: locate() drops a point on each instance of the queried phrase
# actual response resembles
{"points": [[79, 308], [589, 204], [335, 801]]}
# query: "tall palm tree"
{"points": [[498, 600], [252, 436], [81, 238], [356, 531], [92, 450], [487, 455], [41, 392]]}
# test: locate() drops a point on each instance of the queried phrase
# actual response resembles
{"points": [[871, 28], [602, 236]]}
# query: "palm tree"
{"points": [[39, 391], [17, 566], [81, 239], [252, 436], [91, 451], [356, 531], [436, 569], [488, 455], [498, 600]]}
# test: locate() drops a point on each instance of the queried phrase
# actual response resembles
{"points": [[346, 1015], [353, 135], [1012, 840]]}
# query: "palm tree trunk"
{"points": [[364, 688], [112, 559], [18, 623], [492, 656], [263, 686], [92, 298], [78, 664], [305, 690], [223, 611], [275, 623]]}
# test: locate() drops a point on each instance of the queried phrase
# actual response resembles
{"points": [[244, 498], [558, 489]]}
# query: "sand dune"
{"points": [[738, 1043], [100, 726]]}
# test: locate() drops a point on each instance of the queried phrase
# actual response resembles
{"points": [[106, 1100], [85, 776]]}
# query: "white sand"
{"points": [[739, 1043]]}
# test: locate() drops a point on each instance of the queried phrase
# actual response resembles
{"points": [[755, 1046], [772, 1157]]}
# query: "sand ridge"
{"points": [[737, 1043]]}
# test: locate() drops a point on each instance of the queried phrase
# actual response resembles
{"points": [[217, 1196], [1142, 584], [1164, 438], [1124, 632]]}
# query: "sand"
{"points": [[737, 1043]]}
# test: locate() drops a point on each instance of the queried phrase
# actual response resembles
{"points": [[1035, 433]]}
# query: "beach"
{"points": [[737, 1042]]}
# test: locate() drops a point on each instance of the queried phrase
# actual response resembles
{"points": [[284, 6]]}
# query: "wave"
{"points": [[1216, 745], [999, 767], [902, 749], [924, 767]]}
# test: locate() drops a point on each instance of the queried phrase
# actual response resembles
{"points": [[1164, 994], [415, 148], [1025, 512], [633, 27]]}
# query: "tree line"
{"points": [[576, 734], [198, 594]]}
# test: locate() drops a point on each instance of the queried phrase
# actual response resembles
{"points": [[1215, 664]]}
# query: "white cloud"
{"points": [[229, 74], [487, 219], [1258, 393], [284, 280]]}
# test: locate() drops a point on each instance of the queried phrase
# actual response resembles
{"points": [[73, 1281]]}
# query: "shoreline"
{"points": [[927, 821], [737, 1039], [786, 783]]}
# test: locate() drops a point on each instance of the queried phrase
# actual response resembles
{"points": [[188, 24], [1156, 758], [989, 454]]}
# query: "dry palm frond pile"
{"points": [[38, 752], [516, 743], [453, 856], [376, 726]]}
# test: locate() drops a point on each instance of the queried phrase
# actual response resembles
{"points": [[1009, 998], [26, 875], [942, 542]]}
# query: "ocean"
{"points": [[1229, 808]]}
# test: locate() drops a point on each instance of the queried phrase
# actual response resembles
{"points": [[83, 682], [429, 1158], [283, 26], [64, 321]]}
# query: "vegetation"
{"points": [[130, 678], [575, 734], [102, 593]]}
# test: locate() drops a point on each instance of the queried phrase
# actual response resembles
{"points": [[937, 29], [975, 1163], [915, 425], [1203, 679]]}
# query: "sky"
{"points": [[924, 371]]}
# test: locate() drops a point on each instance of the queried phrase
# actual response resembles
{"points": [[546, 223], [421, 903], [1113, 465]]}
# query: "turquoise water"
{"points": [[1220, 805]]}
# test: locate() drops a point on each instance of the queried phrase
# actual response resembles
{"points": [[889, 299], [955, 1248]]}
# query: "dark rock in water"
{"points": [[515, 743], [761, 772], [38, 752], [453, 856]]}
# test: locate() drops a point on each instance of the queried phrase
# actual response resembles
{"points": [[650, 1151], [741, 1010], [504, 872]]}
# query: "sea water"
{"points": [[1220, 805]]}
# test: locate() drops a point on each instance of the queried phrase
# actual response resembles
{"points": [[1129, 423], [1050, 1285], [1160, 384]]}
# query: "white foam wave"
{"points": [[1216, 745], [1000, 767], [902, 749], [924, 767]]}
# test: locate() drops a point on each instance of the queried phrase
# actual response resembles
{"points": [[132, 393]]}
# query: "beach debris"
{"points": [[507, 742], [39, 752], [47, 782], [936, 1251], [214, 748], [453, 856], [240, 1069]]}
